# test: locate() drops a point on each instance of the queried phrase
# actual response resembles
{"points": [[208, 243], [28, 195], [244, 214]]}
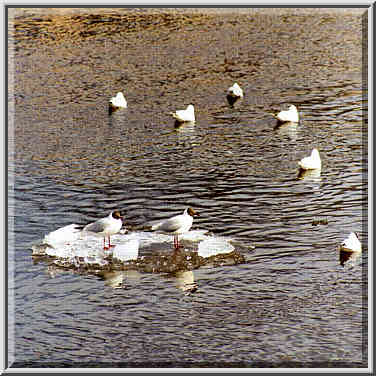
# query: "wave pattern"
{"points": [[292, 302]]}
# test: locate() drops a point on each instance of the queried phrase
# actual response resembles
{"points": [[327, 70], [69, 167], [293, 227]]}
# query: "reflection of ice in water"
{"points": [[214, 246], [185, 281]]}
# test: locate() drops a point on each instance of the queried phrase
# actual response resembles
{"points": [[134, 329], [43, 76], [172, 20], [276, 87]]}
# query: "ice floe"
{"points": [[142, 250]]}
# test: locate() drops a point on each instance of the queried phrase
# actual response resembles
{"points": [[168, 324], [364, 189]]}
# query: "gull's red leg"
{"points": [[109, 243], [176, 242]]}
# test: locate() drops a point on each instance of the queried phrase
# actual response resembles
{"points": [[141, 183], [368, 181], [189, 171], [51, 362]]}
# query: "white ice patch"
{"points": [[78, 247], [127, 251], [214, 246], [62, 235]]}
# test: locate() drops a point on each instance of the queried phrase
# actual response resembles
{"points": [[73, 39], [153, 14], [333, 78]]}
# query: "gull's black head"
{"points": [[192, 213], [116, 214]]}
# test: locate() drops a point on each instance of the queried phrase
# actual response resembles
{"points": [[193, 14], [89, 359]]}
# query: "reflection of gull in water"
{"points": [[113, 279], [185, 115], [290, 115], [186, 127], [186, 133], [116, 278], [106, 227], [117, 102], [185, 281], [309, 174], [289, 128], [348, 257], [234, 93], [176, 225], [312, 162]]}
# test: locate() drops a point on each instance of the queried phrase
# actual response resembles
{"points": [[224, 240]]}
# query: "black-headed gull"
{"points": [[117, 102], [312, 162], [106, 227], [234, 93], [351, 243], [290, 115], [187, 115], [176, 225]]}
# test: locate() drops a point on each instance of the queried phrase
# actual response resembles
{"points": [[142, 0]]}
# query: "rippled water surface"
{"points": [[291, 303]]}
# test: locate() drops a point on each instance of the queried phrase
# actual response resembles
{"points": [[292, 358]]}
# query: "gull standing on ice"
{"points": [[176, 225], [291, 115], [106, 227], [312, 162], [234, 93], [117, 102], [186, 115]]}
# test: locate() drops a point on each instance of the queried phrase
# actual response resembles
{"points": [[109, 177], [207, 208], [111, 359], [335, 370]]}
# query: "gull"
{"points": [[106, 227], [312, 162], [176, 225], [351, 243], [290, 115], [184, 115], [117, 102], [234, 93]]}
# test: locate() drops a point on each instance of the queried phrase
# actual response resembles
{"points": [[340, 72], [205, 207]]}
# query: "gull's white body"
{"points": [[176, 225], [119, 100], [352, 243], [105, 226], [290, 115], [312, 162], [185, 115], [235, 91]]}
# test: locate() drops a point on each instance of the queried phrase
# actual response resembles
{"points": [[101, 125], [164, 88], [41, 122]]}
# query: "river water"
{"points": [[291, 304]]}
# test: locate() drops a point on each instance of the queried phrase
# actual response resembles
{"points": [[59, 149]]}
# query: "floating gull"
{"points": [[351, 243], [234, 93], [117, 102], [290, 115], [184, 115], [176, 225], [312, 162], [106, 227]]}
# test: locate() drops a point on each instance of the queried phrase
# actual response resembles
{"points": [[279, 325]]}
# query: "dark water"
{"points": [[291, 303]]}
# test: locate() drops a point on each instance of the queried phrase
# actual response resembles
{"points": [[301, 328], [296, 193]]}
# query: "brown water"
{"points": [[291, 304]]}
